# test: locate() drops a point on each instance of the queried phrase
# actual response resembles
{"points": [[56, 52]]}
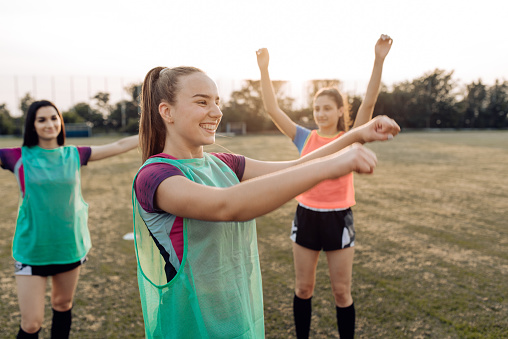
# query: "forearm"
{"points": [[261, 195], [114, 148], [367, 107], [126, 144], [269, 98], [255, 197], [349, 138], [279, 117], [256, 168]]}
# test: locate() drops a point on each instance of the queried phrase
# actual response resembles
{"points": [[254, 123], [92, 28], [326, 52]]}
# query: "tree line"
{"points": [[434, 100]]}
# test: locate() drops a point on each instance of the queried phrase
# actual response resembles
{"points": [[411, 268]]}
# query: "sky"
{"points": [[67, 51]]}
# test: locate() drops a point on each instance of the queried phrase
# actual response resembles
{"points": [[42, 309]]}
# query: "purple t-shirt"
{"points": [[150, 177], [10, 157]]}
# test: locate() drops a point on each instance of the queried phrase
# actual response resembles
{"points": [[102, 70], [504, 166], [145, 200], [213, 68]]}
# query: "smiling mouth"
{"points": [[209, 127]]}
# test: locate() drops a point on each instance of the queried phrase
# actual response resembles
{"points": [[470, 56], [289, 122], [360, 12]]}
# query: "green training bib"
{"points": [[217, 291], [52, 217]]}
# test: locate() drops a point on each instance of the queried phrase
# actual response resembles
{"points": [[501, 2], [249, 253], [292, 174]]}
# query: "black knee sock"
{"points": [[61, 326], [23, 335], [302, 310], [346, 317]]}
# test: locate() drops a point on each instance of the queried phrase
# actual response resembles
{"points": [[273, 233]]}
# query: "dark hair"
{"points": [[30, 137], [160, 84], [340, 100]]}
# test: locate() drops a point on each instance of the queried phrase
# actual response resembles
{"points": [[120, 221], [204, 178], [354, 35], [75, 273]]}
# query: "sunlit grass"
{"points": [[431, 252]]}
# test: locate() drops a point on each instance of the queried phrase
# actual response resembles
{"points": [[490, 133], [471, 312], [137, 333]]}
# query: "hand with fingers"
{"points": [[383, 46], [360, 159], [380, 128], [263, 58]]}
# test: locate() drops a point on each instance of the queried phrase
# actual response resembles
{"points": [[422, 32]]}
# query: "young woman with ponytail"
{"points": [[195, 233]]}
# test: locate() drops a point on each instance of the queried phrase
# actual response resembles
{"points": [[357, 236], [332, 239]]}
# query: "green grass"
{"points": [[431, 252]]}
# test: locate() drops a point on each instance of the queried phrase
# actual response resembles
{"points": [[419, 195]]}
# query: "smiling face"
{"points": [[47, 125], [327, 114], [196, 115]]}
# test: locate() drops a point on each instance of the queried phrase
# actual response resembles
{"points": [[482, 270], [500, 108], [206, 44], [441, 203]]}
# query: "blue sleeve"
{"points": [[301, 136]]}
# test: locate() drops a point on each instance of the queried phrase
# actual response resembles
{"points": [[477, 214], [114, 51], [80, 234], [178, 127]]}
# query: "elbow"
{"points": [[230, 212]]}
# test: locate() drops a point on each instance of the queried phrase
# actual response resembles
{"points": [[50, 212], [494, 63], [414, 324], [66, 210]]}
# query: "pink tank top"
{"points": [[329, 194]]}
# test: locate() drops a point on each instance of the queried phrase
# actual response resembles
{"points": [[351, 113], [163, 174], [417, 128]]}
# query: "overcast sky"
{"points": [[63, 51]]}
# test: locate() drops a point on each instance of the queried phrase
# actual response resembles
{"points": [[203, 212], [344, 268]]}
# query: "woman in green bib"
{"points": [[51, 237], [195, 234]]}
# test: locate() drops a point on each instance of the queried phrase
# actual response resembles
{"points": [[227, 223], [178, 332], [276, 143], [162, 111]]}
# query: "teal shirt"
{"points": [[217, 291], [51, 227]]}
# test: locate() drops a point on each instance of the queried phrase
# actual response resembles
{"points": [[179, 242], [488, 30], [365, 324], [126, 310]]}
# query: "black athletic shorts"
{"points": [[323, 230], [45, 270]]}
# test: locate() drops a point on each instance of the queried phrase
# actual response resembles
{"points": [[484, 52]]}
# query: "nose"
{"points": [[216, 112]]}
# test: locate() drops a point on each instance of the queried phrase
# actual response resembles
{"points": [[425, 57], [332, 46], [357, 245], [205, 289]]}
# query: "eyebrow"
{"points": [[206, 96]]}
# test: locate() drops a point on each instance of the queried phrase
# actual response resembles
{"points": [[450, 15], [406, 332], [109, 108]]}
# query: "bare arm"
{"points": [[366, 109], [114, 148], [380, 128], [249, 199], [278, 116]]}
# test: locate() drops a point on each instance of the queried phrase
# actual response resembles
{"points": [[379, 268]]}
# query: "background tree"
{"points": [[7, 124], [25, 102], [430, 101], [434, 99], [103, 107], [124, 117], [354, 104], [87, 113], [246, 104], [72, 117], [496, 115], [475, 103]]}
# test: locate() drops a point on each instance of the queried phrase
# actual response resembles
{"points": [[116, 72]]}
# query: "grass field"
{"points": [[431, 251]]}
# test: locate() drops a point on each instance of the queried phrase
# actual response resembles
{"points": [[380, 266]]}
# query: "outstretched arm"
{"points": [[114, 148], [250, 199], [278, 116], [380, 128], [366, 109]]}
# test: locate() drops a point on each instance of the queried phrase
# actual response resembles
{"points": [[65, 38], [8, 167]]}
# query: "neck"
{"points": [[180, 151], [328, 131], [48, 144]]}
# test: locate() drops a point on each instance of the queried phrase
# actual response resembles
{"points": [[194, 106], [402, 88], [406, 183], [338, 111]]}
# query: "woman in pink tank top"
{"points": [[323, 219]]}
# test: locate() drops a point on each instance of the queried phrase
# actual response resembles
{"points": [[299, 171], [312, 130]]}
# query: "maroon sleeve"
{"points": [[148, 180], [84, 154], [234, 161], [9, 157]]}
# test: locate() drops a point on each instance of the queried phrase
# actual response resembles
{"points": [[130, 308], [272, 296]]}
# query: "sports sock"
{"points": [[61, 325], [23, 335], [346, 318], [302, 310]]}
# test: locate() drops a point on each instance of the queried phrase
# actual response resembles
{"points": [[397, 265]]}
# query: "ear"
{"points": [[341, 111], [165, 110]]}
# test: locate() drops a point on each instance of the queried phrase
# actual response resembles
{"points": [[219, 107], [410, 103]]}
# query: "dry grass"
{"points": [[431, 252]]}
